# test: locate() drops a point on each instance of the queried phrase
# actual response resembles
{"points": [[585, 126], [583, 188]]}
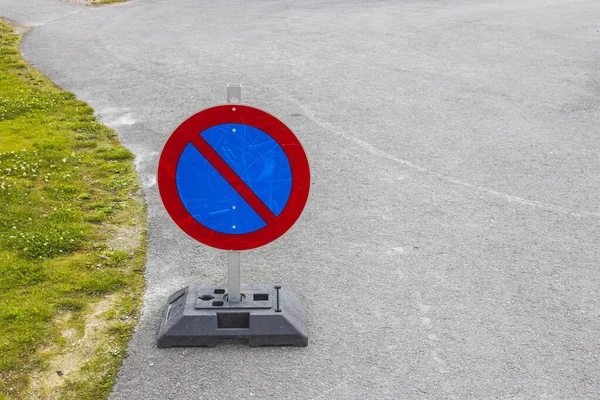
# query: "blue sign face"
{"points": [[255, 157]]}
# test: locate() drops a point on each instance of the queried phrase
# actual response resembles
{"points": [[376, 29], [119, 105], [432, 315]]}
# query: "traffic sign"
{"points": [[233, 177]]}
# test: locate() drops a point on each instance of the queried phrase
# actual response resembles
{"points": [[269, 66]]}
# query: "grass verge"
{"points": [[72, 240]]}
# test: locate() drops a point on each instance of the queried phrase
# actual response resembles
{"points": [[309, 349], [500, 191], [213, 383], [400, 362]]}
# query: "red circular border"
{"points": [[233, 114]]}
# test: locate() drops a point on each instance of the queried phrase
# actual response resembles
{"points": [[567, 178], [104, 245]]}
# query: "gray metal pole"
{"points": [[235, 276], [234, 93], [234, 295]]}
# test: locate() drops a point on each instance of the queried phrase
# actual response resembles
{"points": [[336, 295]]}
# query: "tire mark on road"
{"points": [[372, 149]]}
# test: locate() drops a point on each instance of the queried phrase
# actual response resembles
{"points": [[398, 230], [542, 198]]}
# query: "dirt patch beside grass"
{"points": [[65, 360]]}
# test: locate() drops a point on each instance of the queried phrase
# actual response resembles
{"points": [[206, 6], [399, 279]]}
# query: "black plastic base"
{"points": [[202, 315]]}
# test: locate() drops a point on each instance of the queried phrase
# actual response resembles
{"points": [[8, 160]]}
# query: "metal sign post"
{"points": [[235, 278], [234, 95], [235, 178]]}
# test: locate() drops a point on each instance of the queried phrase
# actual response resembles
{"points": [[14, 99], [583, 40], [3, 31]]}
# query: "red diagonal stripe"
{"points": [[233, 179]]}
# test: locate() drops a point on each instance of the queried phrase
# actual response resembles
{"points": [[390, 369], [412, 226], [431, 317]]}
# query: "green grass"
{"points": [[66, 186]]}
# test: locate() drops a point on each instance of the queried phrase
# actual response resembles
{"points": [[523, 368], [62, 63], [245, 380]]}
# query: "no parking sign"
{"points": [[233, 177]]}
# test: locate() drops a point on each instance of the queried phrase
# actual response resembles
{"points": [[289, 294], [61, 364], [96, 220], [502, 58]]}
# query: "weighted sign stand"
{"points": [[235, 178]]}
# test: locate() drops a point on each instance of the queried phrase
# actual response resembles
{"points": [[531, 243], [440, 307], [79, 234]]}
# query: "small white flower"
{"points": [[64, 160]]}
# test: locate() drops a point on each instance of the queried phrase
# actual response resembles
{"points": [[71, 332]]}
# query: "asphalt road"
{"points": [[450, 247]]}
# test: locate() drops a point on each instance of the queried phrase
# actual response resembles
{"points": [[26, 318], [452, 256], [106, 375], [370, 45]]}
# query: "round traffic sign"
{"points": [[233, 177]]}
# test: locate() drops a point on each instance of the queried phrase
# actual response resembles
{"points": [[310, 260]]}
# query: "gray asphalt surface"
{"points": [[450, 246]]}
